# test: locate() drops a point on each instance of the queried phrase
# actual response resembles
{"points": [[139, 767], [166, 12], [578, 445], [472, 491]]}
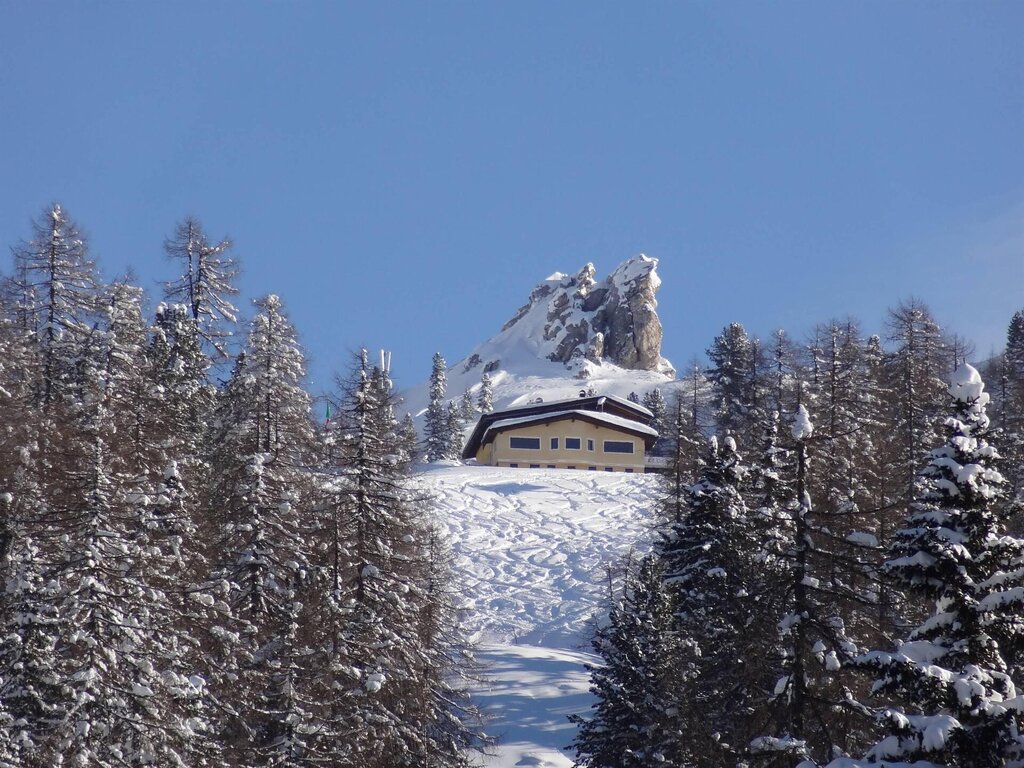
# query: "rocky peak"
{"points": [[579, 320]]}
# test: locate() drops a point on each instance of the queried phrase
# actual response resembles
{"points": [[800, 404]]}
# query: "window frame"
{"points": [[578, 447], [630, 443], [511, 447], [553, 444]]}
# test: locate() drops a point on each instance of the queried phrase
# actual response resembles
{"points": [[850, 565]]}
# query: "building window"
{"points": [[609, 469], [590, 445], [592, 469], [552, 466], [529, 443], [571, 466], [572, 443], [629, 469], [535, 466], [513, 465], [554, 443], [618, 446]]}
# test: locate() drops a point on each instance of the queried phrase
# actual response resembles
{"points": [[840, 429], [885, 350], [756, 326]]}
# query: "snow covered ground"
{"points": [[532, 552]]}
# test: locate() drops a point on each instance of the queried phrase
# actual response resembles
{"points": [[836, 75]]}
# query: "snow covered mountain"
{"points": [[574, 332]]}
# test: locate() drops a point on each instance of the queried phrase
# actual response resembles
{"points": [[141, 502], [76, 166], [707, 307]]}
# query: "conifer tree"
{"points": [[437, 429], [385, 699], [205, 284], [781, 376], [467, 410], [951, 682], [32, 702], [454, 432], [689, 420], [654, 401], [485, 397], [736, 377], [445, 713], [1012, 423], [805, 707], [18, 385], [180, 369], [718, 568], [131, 698], [257, 513], [916, 368], [844, 482], [635, 720], [408, 442], [57, 292], [681, 447]]}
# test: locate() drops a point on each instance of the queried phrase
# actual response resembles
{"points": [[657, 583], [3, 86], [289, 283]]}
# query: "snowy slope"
{"points": [[531, 693], [531, 551]]}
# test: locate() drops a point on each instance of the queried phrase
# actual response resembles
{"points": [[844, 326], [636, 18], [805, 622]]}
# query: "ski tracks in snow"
{"points": [[532, 549]]}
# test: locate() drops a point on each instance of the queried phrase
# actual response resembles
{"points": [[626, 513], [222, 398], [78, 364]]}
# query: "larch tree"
{"points": [[205, 284], [385, 699], [844, 480], [916, 366], [689, 421], [257, 514], [181, 371], [32, 701], [130, 698], [58, 294]]}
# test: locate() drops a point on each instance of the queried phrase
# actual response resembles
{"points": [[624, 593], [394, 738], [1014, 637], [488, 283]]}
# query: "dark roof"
{"points": [[560, 409]]}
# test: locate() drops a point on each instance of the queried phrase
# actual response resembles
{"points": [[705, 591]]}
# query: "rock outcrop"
{"points": [[578, 320]]}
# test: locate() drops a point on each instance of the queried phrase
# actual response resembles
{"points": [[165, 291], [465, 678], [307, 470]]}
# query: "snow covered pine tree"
{"points": [[961, 705], [634, 721], [439, 421], [718, 575]]}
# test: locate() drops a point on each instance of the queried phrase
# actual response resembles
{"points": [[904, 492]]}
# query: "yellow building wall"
{"points": [[499, 453]]}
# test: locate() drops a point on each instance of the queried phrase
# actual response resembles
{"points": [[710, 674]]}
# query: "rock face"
{"points": [[578, 320]]}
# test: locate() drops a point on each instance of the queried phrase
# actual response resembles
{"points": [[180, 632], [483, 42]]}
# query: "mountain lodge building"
{"points": [[597, 433]]}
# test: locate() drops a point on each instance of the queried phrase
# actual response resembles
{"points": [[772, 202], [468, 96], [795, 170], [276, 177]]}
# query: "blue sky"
{"points": [[402, 174]]}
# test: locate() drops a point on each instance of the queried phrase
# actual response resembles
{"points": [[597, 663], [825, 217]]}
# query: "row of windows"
{"points": [[571, 443], [573, 466]]}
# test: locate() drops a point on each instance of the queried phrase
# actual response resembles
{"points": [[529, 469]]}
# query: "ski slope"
{"points": [[532, 551]]}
